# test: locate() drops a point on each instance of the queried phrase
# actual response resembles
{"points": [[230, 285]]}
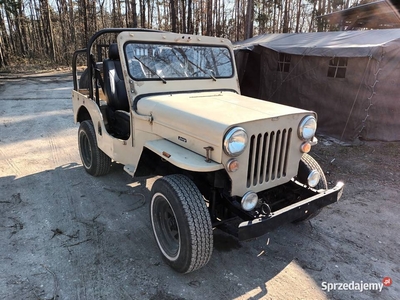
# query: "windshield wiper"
{"points": [[205, 72], [151, 71]]}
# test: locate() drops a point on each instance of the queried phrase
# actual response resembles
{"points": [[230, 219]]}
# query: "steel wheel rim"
{"points": [[165, 226], [86, 151]]}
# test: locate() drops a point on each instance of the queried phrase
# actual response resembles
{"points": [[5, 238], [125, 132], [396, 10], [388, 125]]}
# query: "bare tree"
{"points": [[189, 27], [54, 29], [209, 30], [249, 19], [173, 15]]}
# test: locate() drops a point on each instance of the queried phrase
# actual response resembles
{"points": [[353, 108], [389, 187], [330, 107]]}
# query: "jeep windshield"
{"points": [[174, 61]]}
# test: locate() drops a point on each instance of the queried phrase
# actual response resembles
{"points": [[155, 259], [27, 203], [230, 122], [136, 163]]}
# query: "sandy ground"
{"points": [[67, 235]]}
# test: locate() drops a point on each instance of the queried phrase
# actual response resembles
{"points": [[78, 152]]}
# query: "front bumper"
{"points": [[258, 227]]}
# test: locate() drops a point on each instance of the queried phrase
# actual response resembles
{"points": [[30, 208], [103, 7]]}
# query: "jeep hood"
{"points": [[207, 116]]}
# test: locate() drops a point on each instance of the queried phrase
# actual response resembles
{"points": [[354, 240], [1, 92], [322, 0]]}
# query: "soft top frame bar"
{"points": [[87, 50]]}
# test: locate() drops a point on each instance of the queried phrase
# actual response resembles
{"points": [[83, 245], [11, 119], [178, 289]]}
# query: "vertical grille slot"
{"points": [[268, 156], [263, 158], [250, 168]]}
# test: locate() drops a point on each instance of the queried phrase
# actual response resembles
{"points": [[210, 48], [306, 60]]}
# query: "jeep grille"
{"points": [[268, 156]]}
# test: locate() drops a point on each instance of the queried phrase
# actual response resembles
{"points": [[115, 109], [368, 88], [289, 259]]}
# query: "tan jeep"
{"points": [[169, 104]]}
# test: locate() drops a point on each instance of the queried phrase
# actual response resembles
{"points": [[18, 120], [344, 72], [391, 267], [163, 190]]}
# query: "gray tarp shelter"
{"points": [[350, 78]]}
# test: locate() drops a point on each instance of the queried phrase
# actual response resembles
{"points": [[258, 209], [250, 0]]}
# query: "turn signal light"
{"points": [[305, 147], [232, 165]]}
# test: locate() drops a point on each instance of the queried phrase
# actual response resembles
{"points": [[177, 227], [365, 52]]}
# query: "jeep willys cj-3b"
{"points": [[169, 104]]}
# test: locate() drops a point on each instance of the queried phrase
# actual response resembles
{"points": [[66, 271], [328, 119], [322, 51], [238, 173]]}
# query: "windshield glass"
{"points": [[155, 61]]}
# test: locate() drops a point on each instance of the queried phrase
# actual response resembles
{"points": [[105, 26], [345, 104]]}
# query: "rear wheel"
{"points": [[181, 223], [306, 165], [95, 161]]}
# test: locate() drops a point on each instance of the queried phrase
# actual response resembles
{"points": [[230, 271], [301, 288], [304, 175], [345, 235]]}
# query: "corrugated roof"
{"points": [[337, 43]]}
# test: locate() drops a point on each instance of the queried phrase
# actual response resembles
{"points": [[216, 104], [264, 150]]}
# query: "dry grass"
{"points": [[19, 65]]}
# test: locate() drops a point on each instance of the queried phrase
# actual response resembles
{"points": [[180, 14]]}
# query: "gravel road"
{"points": [[67, 235]]}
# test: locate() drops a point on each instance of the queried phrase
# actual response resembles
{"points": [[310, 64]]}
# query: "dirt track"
{"points": [[67, 235]]}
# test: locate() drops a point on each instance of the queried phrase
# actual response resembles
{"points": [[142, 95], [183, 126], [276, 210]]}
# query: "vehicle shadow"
{"points": [[69, 234]]}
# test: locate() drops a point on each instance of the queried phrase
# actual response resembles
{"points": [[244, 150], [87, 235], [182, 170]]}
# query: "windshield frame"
{"points": [[207, 76]]}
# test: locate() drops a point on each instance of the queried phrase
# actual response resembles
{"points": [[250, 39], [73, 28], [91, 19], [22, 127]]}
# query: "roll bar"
{"points": [[90, 59]]}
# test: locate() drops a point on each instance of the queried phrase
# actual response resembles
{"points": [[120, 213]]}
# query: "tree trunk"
{"points": [[149, 14], [249, 19], [209, 30], [189, 26], [298, 16], [3, 43], [134, 14], [159, 17], [85, 21], [183, 20], [310, 28], [237, 20], [60, 7], [142, 14], [274, 18], [2, 59], [71, 22], [202, 22], [48, 28], [286, 18], [173, 15]]}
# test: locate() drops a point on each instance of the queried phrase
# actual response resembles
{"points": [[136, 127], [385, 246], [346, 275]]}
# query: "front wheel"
{"points": [[95, 161], [181, 223], [306, 165]]}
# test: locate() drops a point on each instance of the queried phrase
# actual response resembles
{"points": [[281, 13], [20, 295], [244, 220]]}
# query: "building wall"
{"points": [[347, 107]]}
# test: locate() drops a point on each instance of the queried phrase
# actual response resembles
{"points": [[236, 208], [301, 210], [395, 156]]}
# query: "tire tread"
{"points": [[101, 164], [196, 212]]}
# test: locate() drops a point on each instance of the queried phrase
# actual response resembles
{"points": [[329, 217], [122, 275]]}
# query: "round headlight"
{"points": [[313, 178], [235, 141], [307, 128], [249, 201]]}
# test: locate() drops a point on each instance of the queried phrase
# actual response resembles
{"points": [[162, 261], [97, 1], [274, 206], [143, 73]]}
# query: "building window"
{"points": [[337, 67], [283, 62]]}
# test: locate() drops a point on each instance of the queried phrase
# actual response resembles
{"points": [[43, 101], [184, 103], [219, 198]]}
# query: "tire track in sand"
{"points": [[59, 172], [10, 163]]}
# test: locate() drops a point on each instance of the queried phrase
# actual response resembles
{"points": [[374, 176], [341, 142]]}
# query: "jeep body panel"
{"points": [[181, 157], [199, 120], [207, 116], [122, 151]]}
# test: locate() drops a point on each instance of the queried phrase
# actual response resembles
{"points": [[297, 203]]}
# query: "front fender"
{"points": [[182, 157]]}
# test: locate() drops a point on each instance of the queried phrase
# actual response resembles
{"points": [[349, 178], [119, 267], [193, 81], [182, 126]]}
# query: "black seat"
{"points": [[114, 86], [119, 122], [117, 99]]}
